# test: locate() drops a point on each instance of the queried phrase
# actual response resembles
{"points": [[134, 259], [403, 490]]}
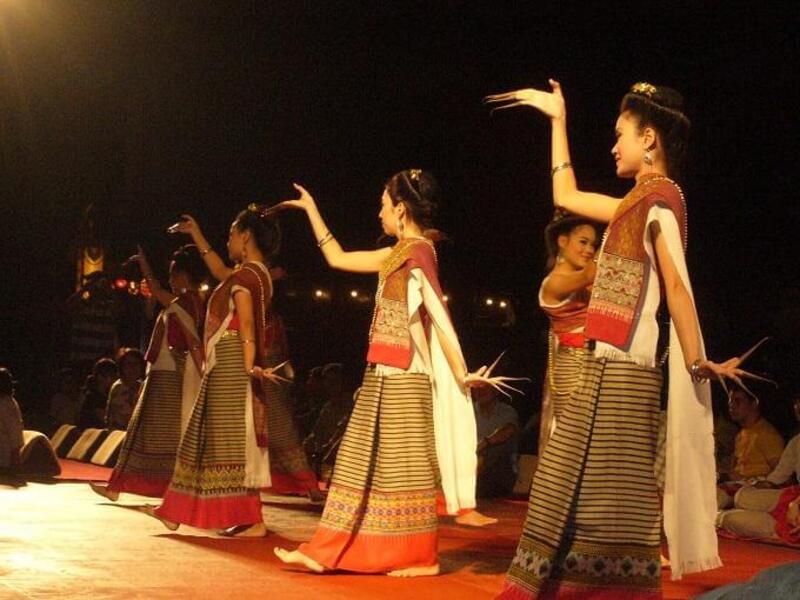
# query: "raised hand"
{"points": [[304, 202], [483, 376], [187, 224], [551, 104]]}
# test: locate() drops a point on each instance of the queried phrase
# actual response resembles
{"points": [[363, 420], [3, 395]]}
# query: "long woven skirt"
{"points": [[147, 458], [563, 377], [213, 485], [381, 509], [289, 467], [593, 527]]}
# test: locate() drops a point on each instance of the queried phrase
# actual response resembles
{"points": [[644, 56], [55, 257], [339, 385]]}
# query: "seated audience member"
{"points": [[758, 446], [322, 443], [65, 404], [788, 470], [94, 395], [11, 427], [764, 513], [125, 390], [498, 428], [725, 431]]}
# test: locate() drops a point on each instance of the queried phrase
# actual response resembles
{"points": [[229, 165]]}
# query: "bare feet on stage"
{"points": [[246, 531], [149, 509], [104, 492], [665, 564], [415, 572], [475, 519], [317, 496], [295, 557]]}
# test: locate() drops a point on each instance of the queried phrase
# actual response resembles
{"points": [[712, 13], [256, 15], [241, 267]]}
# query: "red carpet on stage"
{"points": [[73, 470]]}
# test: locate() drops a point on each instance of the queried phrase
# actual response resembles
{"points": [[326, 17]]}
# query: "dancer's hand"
{"points": [[729, 370], [551, 104], [187, 224], [304, 202], [483, 377], [141, 258], [269, 374]]}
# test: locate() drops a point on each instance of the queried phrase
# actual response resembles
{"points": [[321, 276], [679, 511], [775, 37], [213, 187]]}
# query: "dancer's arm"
{"points": [[247, 330], [566, 194], [163, 296], [369, 261], [558, 286], [219, 270]]}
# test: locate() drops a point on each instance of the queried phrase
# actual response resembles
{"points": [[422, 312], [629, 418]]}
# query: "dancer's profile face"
{"points": [[578, 246], [235, 243], [388, 215], [629, 150]]}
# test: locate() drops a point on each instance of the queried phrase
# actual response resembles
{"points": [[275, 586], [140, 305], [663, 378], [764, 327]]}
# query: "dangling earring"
{"points": [[559, 259], [648, 158], [244, 254], [400, 228]]}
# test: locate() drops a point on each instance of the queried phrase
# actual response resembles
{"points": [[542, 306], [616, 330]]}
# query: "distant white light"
{"points": [[319, 293], [354, 293], [489, 302], [503, 304], [205, 287]]}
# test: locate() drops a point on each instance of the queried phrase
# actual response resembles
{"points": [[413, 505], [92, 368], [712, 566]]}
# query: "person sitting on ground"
{"points": [[65, 405], [758, 446], [94, 395], [125, 390], [11, 426], [498, 427], [788, 470]]}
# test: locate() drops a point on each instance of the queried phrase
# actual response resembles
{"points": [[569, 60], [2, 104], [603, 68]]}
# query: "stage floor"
{"points": [[61, 540]]}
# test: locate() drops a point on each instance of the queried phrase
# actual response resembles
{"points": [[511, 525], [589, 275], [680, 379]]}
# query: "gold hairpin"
{"points": [[644, 88], [415, 173], [253, 207]]}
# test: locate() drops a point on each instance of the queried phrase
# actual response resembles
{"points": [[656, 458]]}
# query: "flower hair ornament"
{"points": [[264, 211], [414, 174], [645, 89]]}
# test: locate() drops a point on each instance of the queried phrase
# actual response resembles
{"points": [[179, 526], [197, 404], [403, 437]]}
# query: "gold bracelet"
{"points": [[248, 341], [560, 167], [325, 239]]}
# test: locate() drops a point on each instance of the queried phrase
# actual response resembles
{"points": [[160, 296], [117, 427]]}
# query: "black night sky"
{"points": [[150, 109]]}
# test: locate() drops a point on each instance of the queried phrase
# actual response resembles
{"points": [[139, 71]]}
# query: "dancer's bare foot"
{"points": [[415, 572], [295, 557], [665, 564], [149, 509], [475, 519], [104, 491], [246, 531], [317, 496]]}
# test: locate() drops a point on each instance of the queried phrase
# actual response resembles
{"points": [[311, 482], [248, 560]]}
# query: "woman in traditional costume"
{"points": [[594, 518], [175, 362], [222, 459], [564, 297], [413, 423]]}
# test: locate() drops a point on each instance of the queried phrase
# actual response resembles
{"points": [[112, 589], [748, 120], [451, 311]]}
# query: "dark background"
{"points": [[150, 109]]}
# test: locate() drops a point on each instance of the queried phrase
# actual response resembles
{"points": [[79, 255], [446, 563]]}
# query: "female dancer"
{"points": [[564, 297], [413, 420], [593, 524], [222, 458], [147, 458]]}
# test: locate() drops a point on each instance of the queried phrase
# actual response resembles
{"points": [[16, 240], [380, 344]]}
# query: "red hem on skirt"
{"points": [[143, 485], [376, 553], [211, 513], [299, 482]]}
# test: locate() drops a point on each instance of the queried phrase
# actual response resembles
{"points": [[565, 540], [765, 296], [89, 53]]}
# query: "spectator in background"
{"points": [[65, 405], [787, 472], [125, 391], [321, 443], [498, 429], [758, 446], [11, 426], [94, 395]]}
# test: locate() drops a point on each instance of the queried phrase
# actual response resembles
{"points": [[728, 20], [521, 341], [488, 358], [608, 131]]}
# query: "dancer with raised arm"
{"points": [[175, 365], [564, 297], [413, 423], [594, 518], [222, 460]]}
